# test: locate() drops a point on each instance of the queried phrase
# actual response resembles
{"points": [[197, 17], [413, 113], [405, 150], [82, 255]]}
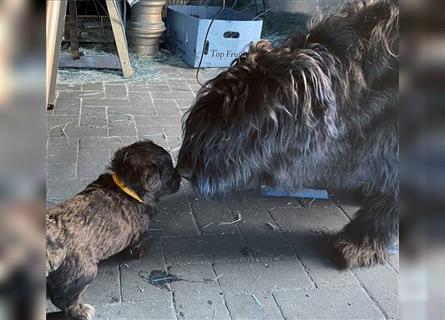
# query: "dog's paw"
{"points": [[353, 255], [82, 311], [137, 252]]}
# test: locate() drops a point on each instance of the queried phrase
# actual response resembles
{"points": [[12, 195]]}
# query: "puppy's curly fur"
{"points": [[319, 110], [103, 220]]}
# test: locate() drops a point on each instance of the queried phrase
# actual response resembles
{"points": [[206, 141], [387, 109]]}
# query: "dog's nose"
{"points": [[184, 172]]}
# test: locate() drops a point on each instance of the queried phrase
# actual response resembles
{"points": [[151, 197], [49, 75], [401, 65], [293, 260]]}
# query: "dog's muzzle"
{"points": [[186, 173]]}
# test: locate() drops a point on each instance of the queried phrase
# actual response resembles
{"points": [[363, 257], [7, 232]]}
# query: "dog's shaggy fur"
{"points": [[321, 110], [103, 220]]}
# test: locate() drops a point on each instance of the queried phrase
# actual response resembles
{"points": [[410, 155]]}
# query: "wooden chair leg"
{"points": [[74, 36], [119, 36]]}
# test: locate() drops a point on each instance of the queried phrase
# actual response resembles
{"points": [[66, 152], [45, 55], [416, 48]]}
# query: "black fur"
{"points": [[321, 110]]}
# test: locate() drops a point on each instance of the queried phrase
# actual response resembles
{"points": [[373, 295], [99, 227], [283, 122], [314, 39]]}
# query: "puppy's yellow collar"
{"points": [[125, 189]]}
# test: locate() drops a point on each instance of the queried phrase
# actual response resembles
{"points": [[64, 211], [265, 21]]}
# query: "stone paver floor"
{"points": [[273, 264]]}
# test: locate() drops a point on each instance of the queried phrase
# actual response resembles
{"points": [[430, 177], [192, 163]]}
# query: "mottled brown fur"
{"points": [[102, 220]]}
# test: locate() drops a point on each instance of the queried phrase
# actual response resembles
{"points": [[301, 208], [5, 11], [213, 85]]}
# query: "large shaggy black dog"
{"points": [[319, 111]]}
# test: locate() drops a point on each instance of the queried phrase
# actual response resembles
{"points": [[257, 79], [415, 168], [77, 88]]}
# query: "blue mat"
{"points": [[302, 193]]}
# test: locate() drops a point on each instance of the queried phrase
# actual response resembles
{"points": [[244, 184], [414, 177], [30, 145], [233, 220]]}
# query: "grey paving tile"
{"points": [[122, 129], [173, 131], [197, 296], [382, 283], [93, 86], [196, 250], [93, 116], [184, 103], [271, 276], [179, 85], [134, 111], [167, 108], [135, 275], [92, 163], [68, 86], [67, 106], [62, 153], [81, 94], [174, 216], [116, 91], [104, 289], [65, 170], [150, 130], [327, 303], [172, 95], [61, 121], [213, 218], [62, 189], [159, 310], [140, 99], [258, 306], [94, 102], [108, 143]]}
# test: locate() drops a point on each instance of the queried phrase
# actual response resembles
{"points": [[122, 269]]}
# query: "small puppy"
{"points": [[113, 213]]}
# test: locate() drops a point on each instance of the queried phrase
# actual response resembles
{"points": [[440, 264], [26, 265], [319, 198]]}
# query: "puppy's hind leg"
{"points": [[365, 240], [67, 284]]}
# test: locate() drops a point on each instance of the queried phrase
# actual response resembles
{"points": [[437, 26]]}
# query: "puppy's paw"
{"points": [[82, 311], [137, 252], [352, 255]]}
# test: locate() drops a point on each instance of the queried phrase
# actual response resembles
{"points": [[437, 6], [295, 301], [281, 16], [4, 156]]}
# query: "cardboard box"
{"points": [[230, 35]]}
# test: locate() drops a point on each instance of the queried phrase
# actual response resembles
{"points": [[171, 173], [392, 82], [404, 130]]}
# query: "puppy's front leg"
{"points": [[366, 239]]}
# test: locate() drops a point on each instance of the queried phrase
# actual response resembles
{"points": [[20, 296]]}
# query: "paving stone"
{"points": [[213, 218], [93, 86], [197, 296], [134, 111], [205, 249], [161, 309], [93, 116], [327, 303], [259, 306], [266, 247], [81, 94], [140, 99], [92, 163], [62, 189], [135, 275], [184, 103], [108, 143], [94, 102], [122, 129], [310, 232], [56, 142], [72, 129], [60, 121], [174, 216], [67, 106], [116, 91], [58, 170], [167, 108], [62, 153], [173, 95], [173, 131], [385, 295], [150, 131], [314, 220], [104, 289], [68, 86], [179, 85], [271, 276]]}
